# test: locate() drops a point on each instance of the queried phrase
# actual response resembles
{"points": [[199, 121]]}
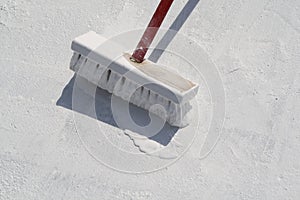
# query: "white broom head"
{"points": [[145, 84]]}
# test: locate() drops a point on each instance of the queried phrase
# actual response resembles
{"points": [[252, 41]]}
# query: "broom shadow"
{"points": [[173, 29], [104, 112]]}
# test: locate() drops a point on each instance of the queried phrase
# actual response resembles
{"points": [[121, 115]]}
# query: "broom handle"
{"points": [[150, 32]]}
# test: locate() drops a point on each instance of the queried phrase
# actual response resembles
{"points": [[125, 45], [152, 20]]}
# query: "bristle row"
{"points": [[121, 86]]}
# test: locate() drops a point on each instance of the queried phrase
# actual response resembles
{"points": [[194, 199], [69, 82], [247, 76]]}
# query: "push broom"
{"points": [[133, 78]]}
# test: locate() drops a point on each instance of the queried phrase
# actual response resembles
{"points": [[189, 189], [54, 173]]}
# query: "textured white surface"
{"points": [[255, 45]]}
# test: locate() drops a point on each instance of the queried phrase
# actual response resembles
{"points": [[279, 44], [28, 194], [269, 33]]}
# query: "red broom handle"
{"points": [[149, 34]]}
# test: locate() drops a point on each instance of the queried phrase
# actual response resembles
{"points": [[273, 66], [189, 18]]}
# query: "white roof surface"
{"points": [[47, 149]]}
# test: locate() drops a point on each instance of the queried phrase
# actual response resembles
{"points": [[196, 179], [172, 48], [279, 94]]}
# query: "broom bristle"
{"points": [[174, 105]]}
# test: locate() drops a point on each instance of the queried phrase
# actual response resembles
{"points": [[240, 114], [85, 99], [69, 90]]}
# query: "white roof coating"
{"points": [[243, 141]]}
